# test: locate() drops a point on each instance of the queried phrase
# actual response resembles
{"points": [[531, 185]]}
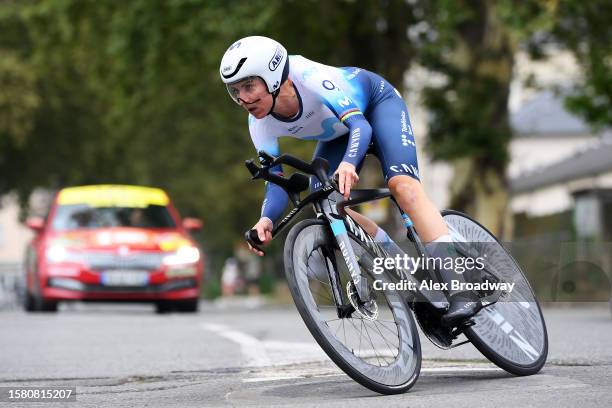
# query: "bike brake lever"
{"points": [[253, 239]]}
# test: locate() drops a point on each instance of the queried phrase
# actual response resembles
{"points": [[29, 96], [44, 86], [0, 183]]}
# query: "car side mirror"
{"points": [[36, 224], [192, 224]]}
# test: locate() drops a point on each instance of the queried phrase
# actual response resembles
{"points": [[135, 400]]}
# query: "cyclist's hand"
{"points": [[264, 232], [347, 178]]}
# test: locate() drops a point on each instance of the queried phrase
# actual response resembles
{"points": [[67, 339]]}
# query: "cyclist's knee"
{"points": [[407, 191]]}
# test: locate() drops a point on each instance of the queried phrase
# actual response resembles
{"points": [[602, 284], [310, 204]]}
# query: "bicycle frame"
{"points": [[340, 222]]}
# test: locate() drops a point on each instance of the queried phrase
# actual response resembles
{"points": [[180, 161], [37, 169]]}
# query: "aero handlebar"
{"points": [[292, 186]]}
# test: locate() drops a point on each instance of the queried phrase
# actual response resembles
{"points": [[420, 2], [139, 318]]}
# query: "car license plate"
{"points": [[125, 278]]}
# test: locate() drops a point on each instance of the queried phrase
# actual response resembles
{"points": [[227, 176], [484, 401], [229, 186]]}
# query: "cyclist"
{"points": [[344, 109]]}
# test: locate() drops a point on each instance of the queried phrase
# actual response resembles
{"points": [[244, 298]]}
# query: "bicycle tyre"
{"points": [[501, 329], [308, 235]]}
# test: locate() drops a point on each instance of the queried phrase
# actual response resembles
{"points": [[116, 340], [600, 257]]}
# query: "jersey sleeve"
{"points": [[275, 198], [332, 94]]}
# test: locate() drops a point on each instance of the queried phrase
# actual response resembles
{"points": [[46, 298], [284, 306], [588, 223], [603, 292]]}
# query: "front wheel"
{"points": [[381, 349], [510, 333]]}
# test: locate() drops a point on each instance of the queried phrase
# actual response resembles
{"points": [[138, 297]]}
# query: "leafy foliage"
{"points": [[128, 92], [584, 27]]}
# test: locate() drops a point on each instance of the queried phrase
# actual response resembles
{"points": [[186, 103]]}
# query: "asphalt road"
{"points": [[125, 355]]}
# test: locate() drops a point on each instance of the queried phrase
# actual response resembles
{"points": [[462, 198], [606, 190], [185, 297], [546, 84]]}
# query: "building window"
{"points": [[587, 216]]}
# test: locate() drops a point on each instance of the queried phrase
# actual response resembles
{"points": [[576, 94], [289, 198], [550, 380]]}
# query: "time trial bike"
{"points": [[362, 322]]}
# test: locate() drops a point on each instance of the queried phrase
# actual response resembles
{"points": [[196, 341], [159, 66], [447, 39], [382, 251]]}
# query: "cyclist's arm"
{"points": [[347, 111], [360, 133], [275, 198]]}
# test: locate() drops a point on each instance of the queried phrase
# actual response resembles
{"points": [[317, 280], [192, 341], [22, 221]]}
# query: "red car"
{"points": [[113, 243]]}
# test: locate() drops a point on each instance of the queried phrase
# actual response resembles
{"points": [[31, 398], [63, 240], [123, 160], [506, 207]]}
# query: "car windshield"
{"points": [[83, 216]]}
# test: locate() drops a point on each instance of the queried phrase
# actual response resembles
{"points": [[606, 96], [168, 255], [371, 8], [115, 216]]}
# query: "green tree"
{"points": [[472, 45], [584, 28], [129, 92]]}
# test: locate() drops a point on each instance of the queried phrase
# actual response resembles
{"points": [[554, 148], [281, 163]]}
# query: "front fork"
{"points": [[336, 222], [344, 244]]}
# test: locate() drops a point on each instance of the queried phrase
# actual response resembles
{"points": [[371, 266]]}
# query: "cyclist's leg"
{"points": [[395, 147], [333, 152]]}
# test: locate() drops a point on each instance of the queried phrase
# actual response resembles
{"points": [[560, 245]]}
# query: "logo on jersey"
{"points": [[405, 126], [404, 168], [344, 102], [354, 143], [353, 74], [295, 129], [276, 59], [327, 84], [406, 141]]}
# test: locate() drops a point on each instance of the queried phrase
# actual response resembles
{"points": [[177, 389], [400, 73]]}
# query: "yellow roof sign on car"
{"points": [[108, 195]]}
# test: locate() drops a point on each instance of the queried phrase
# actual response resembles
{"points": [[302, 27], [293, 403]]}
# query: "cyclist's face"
{"points": [[252, 95]]}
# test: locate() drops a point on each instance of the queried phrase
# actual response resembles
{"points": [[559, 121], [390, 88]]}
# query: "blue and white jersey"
{"points": [[340, 108], [328, 98]]}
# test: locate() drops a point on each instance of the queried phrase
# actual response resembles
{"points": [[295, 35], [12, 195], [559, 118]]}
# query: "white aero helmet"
{"points": [[255, 57]]}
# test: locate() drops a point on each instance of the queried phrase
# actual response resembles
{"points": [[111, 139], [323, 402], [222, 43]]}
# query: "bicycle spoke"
{"points": [[385, 340], [391, 331], [360, 335], [372, 343], [337, 331]]}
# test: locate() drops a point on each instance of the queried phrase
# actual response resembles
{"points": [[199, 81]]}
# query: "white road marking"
{"points": [[301, 373], [252, 349], [288, 377], [259, 353], [458, 369]]}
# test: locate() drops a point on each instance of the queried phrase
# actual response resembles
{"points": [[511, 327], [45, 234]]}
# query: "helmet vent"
{"points": [[240, 64]]}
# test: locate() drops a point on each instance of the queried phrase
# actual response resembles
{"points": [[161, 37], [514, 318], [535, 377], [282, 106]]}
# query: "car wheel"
{"points": [[48, 306], [162, 307], [33, 303], [187, 306], [29, 303]]}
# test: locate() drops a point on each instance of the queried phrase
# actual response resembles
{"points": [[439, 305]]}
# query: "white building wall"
{"points": [[558, 197], [528, 152], [532, 152], [13, 234]]}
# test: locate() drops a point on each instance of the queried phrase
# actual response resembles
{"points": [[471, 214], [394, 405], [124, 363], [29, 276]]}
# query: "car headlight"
{"points": [[56, 253], [184, 255], [181, 272]]}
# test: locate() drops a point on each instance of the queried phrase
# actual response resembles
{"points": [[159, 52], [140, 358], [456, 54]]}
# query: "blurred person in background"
{"points": [[230, 277], [251, 266]]}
